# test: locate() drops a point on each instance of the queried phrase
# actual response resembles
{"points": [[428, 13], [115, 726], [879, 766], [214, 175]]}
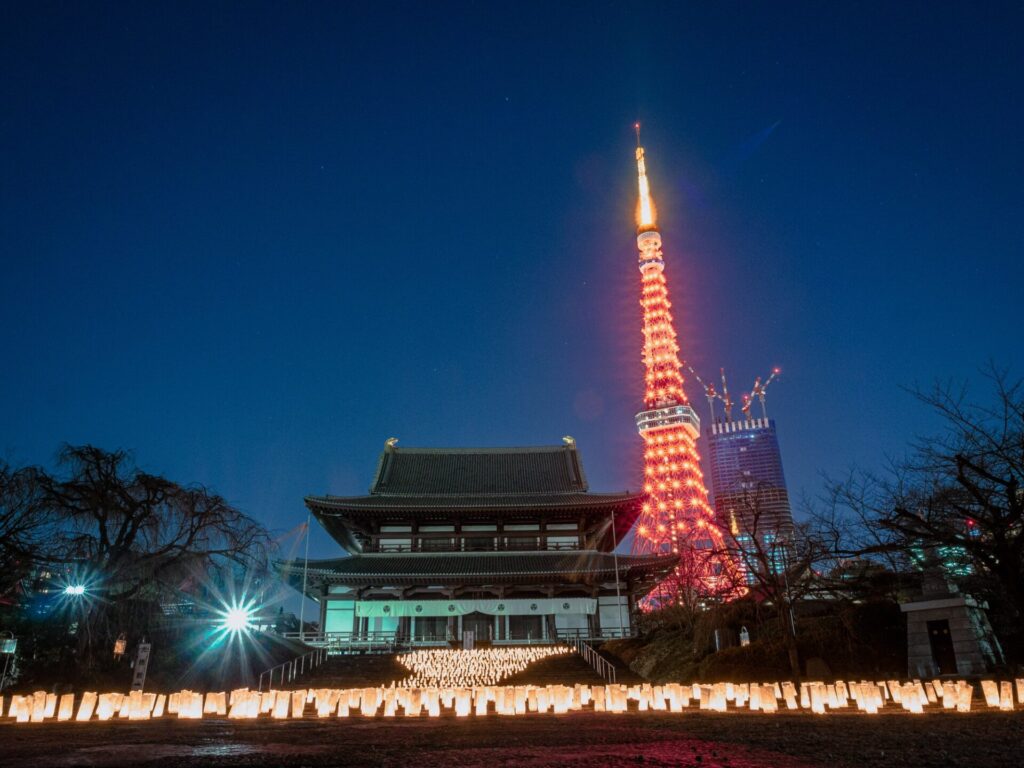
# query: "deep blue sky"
{"points": [[252, 242]]}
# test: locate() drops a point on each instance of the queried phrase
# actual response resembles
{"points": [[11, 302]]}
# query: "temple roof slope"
{"points": [[581, 567], [475, 478], [542, 470]]}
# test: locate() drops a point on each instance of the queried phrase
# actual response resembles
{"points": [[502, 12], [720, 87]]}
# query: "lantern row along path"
{"points": [[915, 696]]}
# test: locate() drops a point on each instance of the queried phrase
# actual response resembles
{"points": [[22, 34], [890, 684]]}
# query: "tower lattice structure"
{"points": [[676, 516]]}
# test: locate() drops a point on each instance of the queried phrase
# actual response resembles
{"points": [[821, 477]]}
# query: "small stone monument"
{"points": [[948, 632]]}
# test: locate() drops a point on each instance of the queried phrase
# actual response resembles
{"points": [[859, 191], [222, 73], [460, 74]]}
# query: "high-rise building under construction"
{"points": [[747, 481]]}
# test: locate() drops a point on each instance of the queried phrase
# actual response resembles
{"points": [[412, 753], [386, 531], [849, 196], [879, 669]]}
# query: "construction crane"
{"points": [[709, 390], [726, 400], [713, 394], [758, 391]]}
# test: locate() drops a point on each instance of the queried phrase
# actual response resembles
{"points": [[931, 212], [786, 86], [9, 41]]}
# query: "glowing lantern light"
{"points": [[1005, 696], [299, 703], [281, 704], [991, 693], [86, 707], [21, 708]]}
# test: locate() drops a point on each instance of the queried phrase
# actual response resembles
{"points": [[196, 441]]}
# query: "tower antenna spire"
{"points": [[646, 213]]}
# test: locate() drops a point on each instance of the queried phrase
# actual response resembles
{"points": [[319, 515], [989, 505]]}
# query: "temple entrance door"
{"points": [[525, 628], [942, 646], [431, 628], [480, 624]]}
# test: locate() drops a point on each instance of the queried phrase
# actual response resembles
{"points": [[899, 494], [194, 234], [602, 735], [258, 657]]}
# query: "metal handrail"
{"points": [[389, 641], [601, 665], [293, 668]]}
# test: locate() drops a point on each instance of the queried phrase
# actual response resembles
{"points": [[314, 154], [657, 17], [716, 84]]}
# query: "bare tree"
{"points": [[134, 536], [24, 525], [776, 560], [957, 499]]}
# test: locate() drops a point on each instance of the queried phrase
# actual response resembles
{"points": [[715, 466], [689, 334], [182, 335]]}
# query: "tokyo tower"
{"points": [[676, 516]]}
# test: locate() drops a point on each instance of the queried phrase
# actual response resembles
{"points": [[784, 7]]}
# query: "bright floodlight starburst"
{"points": [[237, 618], [75, 590]]}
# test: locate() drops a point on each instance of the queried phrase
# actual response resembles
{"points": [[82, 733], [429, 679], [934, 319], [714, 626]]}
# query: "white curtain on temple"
{"points": [[511, 607]]}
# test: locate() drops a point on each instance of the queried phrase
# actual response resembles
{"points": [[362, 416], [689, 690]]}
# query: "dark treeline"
{"points": [[135, 544]]}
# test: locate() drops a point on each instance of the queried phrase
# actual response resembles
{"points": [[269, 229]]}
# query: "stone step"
{"points": [[567, 669], [368, 670], [623, 674], [355, 671]]}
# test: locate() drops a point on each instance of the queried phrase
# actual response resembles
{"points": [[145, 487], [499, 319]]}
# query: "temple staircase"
{"points": [[368, 670], [355, 671]]}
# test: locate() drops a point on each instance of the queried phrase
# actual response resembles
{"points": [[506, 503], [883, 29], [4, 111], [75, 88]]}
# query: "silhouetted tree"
{"points": [[776, 561], [25, 525], [957, 500], [134, 537]]}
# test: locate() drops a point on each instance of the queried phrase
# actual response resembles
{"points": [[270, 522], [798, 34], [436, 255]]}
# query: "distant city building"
{"points": [[748, 484]]}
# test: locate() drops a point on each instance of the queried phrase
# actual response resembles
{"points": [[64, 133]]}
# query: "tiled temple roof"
{"points": [[475, 478], [508, 501], [419, 472], [581, 566]]}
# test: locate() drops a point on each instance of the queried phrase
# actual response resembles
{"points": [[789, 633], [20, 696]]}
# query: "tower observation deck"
{"points": [[675, 514]]}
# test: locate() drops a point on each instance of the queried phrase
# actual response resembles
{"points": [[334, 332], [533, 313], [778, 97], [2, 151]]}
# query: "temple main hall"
{"points": [[477, 545]]}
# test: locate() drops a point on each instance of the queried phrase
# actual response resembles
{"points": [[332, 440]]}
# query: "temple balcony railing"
{"points": [[394, 641], [474, 544]]}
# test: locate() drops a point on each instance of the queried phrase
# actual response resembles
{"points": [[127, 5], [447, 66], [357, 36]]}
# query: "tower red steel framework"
{"points": [[676, 516]]}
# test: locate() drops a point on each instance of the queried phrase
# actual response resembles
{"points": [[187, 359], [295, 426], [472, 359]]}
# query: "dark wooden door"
{"points": [[942, 646], [480, 624]]}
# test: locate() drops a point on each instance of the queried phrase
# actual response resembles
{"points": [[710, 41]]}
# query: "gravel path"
{"points": [[708, 740]]}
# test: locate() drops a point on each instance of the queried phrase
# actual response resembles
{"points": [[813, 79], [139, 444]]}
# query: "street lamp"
{"points": [[8, 646], [236, 618]]}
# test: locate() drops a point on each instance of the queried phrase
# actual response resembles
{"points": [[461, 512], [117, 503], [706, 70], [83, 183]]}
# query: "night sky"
{"points": [[251, 242]]}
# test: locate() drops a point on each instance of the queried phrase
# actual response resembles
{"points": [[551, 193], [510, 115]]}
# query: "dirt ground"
{"points": [[708, 740]]}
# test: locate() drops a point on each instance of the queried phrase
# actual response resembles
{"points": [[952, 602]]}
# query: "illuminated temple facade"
{"points": [[506, 543]]}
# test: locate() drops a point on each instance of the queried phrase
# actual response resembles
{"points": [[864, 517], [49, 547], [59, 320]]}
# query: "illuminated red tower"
{"points": [[676, 516]]}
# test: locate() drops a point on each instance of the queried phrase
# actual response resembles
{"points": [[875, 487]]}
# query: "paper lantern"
{"points": [[521, 695], [190, 705], [768, 701], [86, 707], [991, 692], [107, 705], [267, 702], [21, 708], [282, 703], [965, 695], [216, 704], [1006, 696], [299, 703], [755, 698]]}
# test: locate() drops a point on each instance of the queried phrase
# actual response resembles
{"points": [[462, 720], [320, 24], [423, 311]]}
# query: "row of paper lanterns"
{"points": [[915, 696]]}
